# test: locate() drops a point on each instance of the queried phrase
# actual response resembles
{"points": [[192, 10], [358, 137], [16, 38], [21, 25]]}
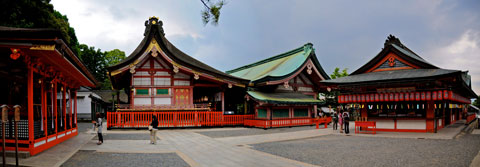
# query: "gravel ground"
{"points": [[83, 126], [253, 131], [116, 136], [93, 158], [339, 150]]}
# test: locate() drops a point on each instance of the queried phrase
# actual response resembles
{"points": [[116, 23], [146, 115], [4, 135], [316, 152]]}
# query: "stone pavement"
{"points": [[199, 150]]}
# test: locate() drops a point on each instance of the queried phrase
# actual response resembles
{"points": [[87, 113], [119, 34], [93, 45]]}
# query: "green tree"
{"points": [[94, 60], [337, 74], [331, 98], [476, 102], [211, 13], [37, 14], [111, 58]]}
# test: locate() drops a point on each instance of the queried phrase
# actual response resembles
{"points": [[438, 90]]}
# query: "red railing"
{"points": [[284, 122], [173, 119], [470, 118], [365, 125]]}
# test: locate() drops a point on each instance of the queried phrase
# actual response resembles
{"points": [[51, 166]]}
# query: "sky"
{"points": [[344, 33]]}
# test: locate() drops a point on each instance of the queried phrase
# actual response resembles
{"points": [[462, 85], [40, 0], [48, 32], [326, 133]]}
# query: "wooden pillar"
{"points": [[363, 111], [31, 138], [71, 107], [55, 108], [314, 111], [75, 108], [64, 108], [223, 101], [430, 116]]}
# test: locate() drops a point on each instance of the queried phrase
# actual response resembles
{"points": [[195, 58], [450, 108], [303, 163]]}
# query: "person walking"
{"points": [[153, 130], [346, 121], [335, 121], [340, 120], [99, 126]]}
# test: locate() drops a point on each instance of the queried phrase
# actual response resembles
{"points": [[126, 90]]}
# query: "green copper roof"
{"points": [[277, 66], [283, 98]]}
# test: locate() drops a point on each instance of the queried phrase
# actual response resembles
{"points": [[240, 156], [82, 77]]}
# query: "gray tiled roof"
{"points": [[391, 75]]}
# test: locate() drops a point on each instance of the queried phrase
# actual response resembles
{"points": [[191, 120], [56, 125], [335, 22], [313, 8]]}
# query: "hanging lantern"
{"points": [[417, 96], [401, 96], [439, 95], [15, 54], [391, 97], [412, 96], [428, 95], [396, 97], [363, 98], [367, 98], [434, 95], [377, 97], [422, 96], [407, 97]]}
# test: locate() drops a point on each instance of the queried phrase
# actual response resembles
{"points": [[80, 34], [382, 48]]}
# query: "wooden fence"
{"points": [[174, 119], [282, 122]]}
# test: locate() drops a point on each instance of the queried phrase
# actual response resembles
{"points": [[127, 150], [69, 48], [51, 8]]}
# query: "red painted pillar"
{"points": [[31, 138], [430, 116], [75, 109], [64, 108], [54, 94]]}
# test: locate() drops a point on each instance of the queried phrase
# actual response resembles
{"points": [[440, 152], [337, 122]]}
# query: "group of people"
{"points": [[342, 118], [97, 126]]}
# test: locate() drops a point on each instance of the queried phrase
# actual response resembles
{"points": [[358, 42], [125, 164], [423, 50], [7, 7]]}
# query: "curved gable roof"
{"points": [[393, 45], [280, 66], [154, 32]]}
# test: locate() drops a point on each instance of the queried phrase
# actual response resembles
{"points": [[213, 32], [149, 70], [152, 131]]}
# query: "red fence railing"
{"points": [[173, 119], [283, 122], [470, 118]]}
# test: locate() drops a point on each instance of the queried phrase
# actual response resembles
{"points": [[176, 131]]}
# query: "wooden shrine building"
{"points": [[41, 74], [285, 86], [159, 77], [402, 92]]}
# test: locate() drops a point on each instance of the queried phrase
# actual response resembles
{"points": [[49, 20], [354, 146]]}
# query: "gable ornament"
{"points": [[309, 68], [285, 84]]}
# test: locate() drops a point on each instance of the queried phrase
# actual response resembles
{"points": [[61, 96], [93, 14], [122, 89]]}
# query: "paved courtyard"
{"points": [[237, 146]]}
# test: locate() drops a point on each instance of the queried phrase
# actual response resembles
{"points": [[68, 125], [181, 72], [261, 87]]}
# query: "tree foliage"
{"points": [[477, 102], [40, 14], [37, 14], [337, 74], [211, 13], [331, 97]]}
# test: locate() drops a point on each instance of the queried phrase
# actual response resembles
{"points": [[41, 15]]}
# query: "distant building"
{"points": [[402, 92]]}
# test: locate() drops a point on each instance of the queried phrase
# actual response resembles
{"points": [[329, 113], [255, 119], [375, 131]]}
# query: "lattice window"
{"points": [[280, 113], [181, 83], [262, 113], [300, 112], [162, 81]]}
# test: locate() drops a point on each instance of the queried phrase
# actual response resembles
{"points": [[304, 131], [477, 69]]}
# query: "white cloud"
{"points": [[111, 24], [462, 53]]}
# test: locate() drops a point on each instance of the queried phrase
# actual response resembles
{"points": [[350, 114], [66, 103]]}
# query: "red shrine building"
{"points": [[41, 74], [402, 92], [159, 77], [285, 86]]}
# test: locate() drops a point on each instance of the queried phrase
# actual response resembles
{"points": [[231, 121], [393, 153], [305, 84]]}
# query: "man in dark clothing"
{"points": [[346, 119]]}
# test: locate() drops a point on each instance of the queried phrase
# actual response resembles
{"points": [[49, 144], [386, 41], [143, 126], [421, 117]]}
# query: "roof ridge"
{"points": [[279, 56]]}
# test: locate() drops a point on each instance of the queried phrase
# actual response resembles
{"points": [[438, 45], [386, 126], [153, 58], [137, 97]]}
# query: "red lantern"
{"points": [[445, 94], [372, 97], [434, 95], [400, 96], [412, 96], [407, 96], [428, 96], [377, 97], [367, 98], [417, 96], [392, 97], [422, 96], [363, 98], [340, 99], [381, 97], [450, 95], [440, 95]]}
